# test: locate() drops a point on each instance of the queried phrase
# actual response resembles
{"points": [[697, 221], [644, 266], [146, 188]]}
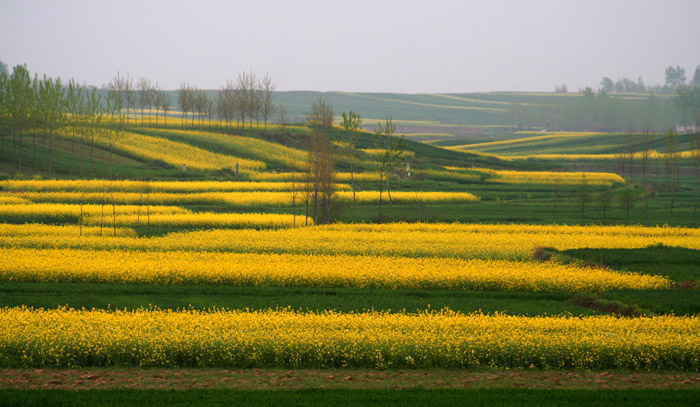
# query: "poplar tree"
{"points": [[391, 153], [20, 103], [320, 159], [351, 124], [267, 102]]}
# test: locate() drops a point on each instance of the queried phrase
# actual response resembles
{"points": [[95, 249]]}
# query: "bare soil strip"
{"points": [[252, 379]]}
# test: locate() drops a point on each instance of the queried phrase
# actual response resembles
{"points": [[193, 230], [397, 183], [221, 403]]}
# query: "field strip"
{"points": [[406, 102], [378, 340], [257, 379], [299, 270], [238, 198], [463, 241], [147, 187]]}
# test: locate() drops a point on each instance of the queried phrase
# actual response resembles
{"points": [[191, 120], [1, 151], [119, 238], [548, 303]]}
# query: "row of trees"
{"points": [[46, 108], [40, 108], [247, 98], [600, 112], [43, 108], [675, 77], [635, 159]]}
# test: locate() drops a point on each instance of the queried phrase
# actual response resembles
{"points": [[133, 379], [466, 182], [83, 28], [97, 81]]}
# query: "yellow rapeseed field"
{"points": [[551, 177], [300, 270], [107, 186], [513, 242], [247, 146], [283, 338], [61, 209], [203, 220], [175, 153], [252, 198], [39, 229]]}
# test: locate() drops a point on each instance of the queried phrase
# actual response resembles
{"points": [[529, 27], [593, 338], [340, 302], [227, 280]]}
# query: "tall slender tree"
{"points": [[20, 105], [185, 101], [320, 159], [351, 124], [268, 108], [144, 95], [74, 98], [671, 161], [389, 159]]}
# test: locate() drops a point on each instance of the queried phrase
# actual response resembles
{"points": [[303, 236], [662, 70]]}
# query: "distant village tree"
{"points": [[675, 77]]}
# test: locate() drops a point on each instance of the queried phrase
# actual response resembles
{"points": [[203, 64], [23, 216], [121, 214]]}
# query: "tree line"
{"points": [[45, 108], [600, 112], [41, 108]]}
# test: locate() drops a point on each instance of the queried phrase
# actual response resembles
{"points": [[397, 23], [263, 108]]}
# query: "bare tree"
{"points": [[115, 106], [584, 196], [201, 105], [391, 154], [4, 115], [53, 107], [129, 96], [20, 105], [627, 201], [645, 156], [164, 103], [267, 105], [144, 93], [351, 124], [671, 161], [185, 101], [94, 114], [226, 103], [246, 97], [605, 198], [320, 159], [283, 115], [75, 106]]}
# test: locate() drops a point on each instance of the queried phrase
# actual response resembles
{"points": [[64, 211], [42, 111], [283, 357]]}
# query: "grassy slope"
{"points": [[572, 144]]}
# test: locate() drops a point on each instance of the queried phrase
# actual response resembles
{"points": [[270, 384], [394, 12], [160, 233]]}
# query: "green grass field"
{"points": [[313, 397]]}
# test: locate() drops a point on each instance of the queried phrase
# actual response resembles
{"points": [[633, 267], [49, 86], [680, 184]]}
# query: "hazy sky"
{"points": [[376, 46]]}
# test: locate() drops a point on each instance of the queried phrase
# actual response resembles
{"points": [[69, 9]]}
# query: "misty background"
{"points": [[359, 46]]}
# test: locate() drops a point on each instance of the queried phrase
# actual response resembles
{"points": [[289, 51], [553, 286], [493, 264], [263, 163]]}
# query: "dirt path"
{"points": [[251, 379]]}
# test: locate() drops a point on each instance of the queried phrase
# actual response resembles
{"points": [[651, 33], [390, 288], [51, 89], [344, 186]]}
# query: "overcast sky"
{"points": [[355, 46]]}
